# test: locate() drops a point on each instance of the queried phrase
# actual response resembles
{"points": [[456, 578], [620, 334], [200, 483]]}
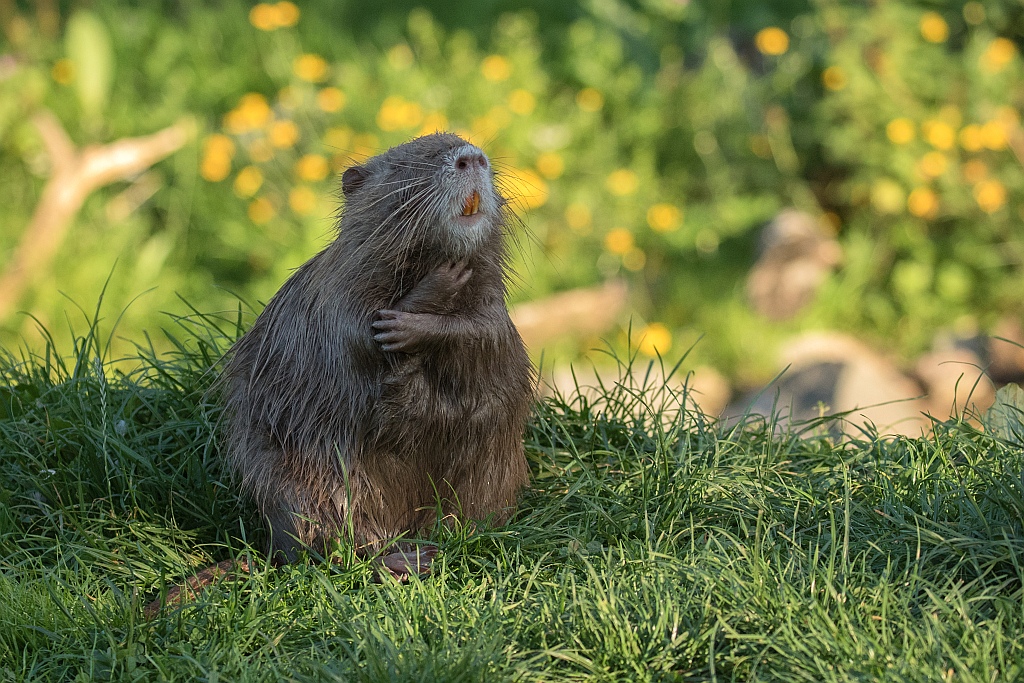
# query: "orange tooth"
{"points": [[472, 204]]}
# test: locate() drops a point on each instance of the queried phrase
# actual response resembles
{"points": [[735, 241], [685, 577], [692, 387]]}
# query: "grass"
{"points": [[653, 544]]}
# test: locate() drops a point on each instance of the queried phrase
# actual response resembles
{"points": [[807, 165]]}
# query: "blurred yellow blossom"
{"points": [[63, 71], [887, 196], [525, 189], [589, 99], [286, 14], [578, 216], [312, 167], [252, 112], [622, 182], [834, 78], [664, 217], [975, 171], [283, 134], [990, 195], [971, 138], [923, 202], [655, 339], [772, 41], [495, 68], [302, 200], [400, 57], [550, 165], [974, 13], [260, 150], [900, 131], [434, 122], [934, 28], [1008, 116], [338, 139], [634, 259], [993, 135], [997, 55], [521, 102], [330, 100], [216, 162], [939, 134], [263, 16], [618, 241], [248, 181], [933, 164], [310, 67], [397, 113], [261, 210]]}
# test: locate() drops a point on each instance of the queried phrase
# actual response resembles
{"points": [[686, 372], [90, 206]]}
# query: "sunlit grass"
{"points": [[653, 544]]}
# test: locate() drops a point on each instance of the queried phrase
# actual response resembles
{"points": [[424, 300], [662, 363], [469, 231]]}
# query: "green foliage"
{"points": [[649, 140], [652, 545]]}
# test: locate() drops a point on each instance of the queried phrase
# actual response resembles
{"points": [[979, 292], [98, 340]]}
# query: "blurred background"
{"points": [[832, 187]]}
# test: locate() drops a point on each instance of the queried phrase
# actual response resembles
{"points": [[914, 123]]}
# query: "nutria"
{"points": [[385, 384]]}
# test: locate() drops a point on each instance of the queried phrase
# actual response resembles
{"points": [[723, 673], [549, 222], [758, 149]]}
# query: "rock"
{"points": [[585, 312], [1006, 351], [795, 257]]}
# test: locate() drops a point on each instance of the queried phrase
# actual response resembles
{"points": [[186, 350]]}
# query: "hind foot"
{"points": [[401, 565]]}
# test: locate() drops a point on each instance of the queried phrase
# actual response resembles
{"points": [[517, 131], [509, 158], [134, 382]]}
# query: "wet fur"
{"points": [[333, 436]]}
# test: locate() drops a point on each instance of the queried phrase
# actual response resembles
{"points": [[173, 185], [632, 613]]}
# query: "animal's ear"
{"points": [[353, 178]]}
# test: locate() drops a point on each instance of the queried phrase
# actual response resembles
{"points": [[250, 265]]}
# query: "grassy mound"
{"points": [[654, 544]]}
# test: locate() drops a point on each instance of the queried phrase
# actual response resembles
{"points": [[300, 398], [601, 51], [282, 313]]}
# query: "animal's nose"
{"points": [[471, 158]]}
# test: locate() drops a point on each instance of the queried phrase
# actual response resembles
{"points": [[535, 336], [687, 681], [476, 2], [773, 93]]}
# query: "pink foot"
{"points": [[402, 565]]}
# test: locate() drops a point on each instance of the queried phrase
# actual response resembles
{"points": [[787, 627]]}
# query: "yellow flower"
{"points": [[900, 131], [933, 164], [283, 134], [578, 216], [971, 138], [261, 210], [400, 57], [664, 217], [887, 196], [622, 182], [772, 41], [923, 202], [993, 135], [330, 100], [495, 68], [590, 99], [655, 339], [525, 189], [338, 139], [997, 55], [248, 181], [302, 200], [310, 67], [397, 113], [263, 16], [939, 134], [252, 112], [834, 78], [974, 13], [286, 14], [63, 71], [990, 195], [975, 171], [434, 122], [550, 165], [618, 241], [312, 167], [634, 259], [934, 28], [217, 153], [521, 102]]}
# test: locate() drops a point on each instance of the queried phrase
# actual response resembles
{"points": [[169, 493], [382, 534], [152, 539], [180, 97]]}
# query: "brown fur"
{"points": [[385, 376]]}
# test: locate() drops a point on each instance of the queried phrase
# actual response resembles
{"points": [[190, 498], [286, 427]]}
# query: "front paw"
{"points": [[438, 289], [398, 331]]}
